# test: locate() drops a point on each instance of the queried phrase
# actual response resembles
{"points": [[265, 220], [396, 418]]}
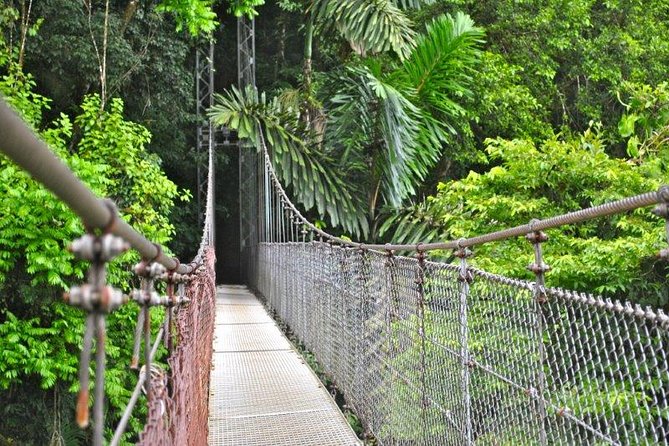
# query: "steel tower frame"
{"points": [[248, 156], [246, 52], [206, 135]]}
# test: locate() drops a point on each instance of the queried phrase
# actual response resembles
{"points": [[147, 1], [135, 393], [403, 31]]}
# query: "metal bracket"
{"points": [[539, 268], [463, 253], [662, 210]]}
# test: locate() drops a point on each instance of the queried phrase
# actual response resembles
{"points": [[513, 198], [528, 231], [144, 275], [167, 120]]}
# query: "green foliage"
{"points": [[646, 120], [18, 89], [369, 26], [245, 7], [503, 105], [9, 16], [440, 67], [559, 176], [27, 347], [413, 4], [117, 148], [367, 110], [574, 54], [149, 66], [398, 120], [289, 5], [39, 335], [197, 16]]}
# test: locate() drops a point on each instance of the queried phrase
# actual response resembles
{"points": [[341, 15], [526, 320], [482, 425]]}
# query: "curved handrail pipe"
{"points": [[23, 147]]}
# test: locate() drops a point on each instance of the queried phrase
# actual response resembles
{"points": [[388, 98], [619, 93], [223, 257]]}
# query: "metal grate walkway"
{"points": [[262, 392]]}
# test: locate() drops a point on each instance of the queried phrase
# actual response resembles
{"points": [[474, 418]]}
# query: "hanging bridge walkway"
{"points": [[261, 390], [425, 352]]}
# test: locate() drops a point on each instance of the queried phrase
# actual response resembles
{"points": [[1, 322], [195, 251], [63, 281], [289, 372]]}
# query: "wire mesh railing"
{"points": [[178, 411], [434, 353], [177, 398]]}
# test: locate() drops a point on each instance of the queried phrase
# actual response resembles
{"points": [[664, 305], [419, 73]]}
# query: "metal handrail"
{"points": [[22, 146]]}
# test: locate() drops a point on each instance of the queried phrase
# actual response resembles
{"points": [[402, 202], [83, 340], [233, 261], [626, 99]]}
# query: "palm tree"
{"points": [[370, 27], [385, 126]]}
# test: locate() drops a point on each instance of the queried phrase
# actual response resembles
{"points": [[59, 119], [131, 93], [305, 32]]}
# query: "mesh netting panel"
{"points": [[157, 429], [180, 417], [607, 371], [429, 354]]}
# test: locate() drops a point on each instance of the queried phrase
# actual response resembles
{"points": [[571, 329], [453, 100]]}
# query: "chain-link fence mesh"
{"points": [[157, 429], [430, 353], [178, 410]]}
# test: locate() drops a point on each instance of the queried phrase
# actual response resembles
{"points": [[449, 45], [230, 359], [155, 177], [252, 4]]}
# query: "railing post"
{"points": [[465, 278], [420, 314], [391, 316], [539, 268], [98, 299]]}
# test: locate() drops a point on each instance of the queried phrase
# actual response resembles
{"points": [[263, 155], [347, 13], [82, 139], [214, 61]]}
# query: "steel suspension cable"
{"points": [[615, 207]]}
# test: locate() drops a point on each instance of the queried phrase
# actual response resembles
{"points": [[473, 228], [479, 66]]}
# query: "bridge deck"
{"points": [[262, 392]]}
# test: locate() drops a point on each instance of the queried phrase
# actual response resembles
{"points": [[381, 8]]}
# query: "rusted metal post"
{"points": [[539, 268], [97, 299], [465, 278]]}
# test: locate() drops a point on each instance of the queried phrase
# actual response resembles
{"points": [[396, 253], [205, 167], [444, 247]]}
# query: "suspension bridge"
{"points": [[424, 352]]}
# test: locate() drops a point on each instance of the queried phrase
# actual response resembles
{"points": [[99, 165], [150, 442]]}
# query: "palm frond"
{"points": [[290, 98], [373, 26], [440, 66], [309, 173], [370, 117], [413, 4], [409, 225]]}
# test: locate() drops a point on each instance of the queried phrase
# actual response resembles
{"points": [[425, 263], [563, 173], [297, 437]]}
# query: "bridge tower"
{"points": [[246, 52], [206, 135], [248, 156]]}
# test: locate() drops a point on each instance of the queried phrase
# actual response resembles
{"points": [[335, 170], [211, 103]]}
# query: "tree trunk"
{"points": [[308, 50], [25, 24], [128, 14], [281, 52], [307, 112]]}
